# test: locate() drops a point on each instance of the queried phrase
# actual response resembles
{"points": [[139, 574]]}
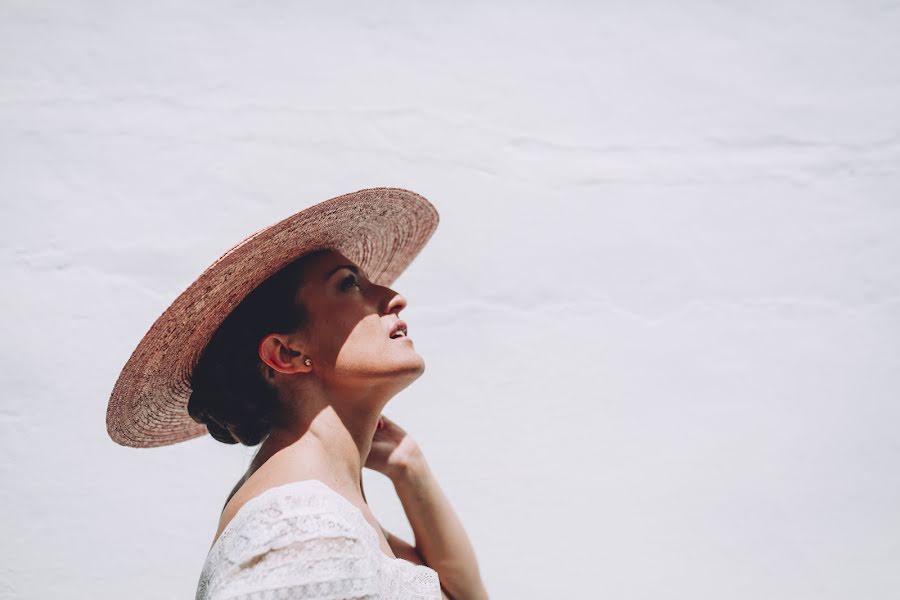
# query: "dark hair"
{"points": [[230, 392]]}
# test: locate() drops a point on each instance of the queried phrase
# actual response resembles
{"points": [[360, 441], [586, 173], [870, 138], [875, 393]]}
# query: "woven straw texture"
{"points": [[380, 229]]}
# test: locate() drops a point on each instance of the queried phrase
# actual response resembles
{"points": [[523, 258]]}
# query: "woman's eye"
{"points": [[348, 281]]}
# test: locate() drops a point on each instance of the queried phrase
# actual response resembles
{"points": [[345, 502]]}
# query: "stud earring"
{"points": [[307, 362]]}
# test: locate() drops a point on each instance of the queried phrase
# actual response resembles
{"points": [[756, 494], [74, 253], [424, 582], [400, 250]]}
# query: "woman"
{"points": [[301, 358]]}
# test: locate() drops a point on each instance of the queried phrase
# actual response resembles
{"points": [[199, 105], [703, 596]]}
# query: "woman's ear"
{"points": [[282, 353]]}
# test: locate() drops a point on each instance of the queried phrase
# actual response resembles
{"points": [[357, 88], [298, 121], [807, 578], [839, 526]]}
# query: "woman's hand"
{"points": [[393, 450]]}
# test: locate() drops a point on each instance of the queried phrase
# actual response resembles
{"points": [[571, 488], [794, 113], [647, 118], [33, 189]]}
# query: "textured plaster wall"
{"points": [[660, 315]]}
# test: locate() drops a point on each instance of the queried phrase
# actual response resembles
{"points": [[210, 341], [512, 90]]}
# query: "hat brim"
{"points": [[380, 229]]}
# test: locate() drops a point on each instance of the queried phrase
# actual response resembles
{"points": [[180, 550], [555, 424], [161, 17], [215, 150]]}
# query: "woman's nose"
{"points": [[396, 303]]}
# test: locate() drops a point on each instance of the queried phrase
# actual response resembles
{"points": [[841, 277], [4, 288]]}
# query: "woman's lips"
{"points": [[398, 324]]}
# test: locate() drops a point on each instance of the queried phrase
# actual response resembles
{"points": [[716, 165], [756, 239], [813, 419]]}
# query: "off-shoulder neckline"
{"points": [[279, 489]]}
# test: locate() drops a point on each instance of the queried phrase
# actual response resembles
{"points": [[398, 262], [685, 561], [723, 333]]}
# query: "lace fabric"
{"points": [[305, 540]]}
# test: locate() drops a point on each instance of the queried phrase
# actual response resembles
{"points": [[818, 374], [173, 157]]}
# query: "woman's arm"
{"points": [[402, 549], [441, 541]]}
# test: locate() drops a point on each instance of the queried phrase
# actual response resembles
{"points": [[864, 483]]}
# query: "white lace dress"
{"points": [[305, 540]]}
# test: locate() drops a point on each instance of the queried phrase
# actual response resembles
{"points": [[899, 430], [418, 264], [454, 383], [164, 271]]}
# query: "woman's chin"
{"points": [[414, 361]]}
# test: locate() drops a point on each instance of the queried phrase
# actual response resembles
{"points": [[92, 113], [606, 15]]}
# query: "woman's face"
{"points": [[348, 333]]}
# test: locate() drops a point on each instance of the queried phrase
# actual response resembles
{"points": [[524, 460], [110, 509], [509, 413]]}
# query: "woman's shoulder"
{"points": [[306, 538], [291, 536], [278, 500]]}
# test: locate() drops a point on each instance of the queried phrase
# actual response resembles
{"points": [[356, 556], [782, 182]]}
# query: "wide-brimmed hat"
{"points": [[380, 229]]}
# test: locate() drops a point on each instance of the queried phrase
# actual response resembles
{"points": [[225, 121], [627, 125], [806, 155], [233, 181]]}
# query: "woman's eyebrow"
{"points": [[338, 268]]}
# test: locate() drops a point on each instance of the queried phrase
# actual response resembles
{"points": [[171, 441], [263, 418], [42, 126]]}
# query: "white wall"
{"points": [[660, 314]]}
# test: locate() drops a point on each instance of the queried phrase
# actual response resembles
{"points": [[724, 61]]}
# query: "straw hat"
{"points": [[380, 229]]}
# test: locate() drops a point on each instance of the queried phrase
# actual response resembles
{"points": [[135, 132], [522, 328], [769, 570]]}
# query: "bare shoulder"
{"points": [[233, 504], [251, 486]]}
